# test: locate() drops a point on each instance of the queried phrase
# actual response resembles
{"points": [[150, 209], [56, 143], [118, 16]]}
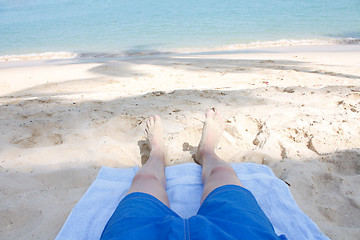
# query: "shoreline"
{"points": [[321, 48], [295, 109], [284, 43]]}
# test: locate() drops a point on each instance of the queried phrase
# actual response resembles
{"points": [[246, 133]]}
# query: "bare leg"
{"points": [[151, 176], [215, 171]]}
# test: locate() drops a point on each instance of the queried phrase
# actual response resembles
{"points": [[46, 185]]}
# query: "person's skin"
{"points": [[151, 176], [215, 171]]}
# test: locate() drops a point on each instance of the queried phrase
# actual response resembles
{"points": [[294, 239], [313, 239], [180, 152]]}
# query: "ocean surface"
{"points": [[100, 27]]}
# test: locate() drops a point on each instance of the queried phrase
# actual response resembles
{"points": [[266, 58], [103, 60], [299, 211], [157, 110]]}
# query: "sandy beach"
{"points": [[295, 109]]}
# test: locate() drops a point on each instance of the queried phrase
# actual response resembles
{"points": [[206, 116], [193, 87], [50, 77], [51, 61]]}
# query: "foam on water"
{"points": [[138, 53], [269, 44], [38, 56]]}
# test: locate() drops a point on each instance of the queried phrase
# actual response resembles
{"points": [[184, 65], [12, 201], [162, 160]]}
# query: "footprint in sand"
{"points": [[40, 135], [241, 130]]}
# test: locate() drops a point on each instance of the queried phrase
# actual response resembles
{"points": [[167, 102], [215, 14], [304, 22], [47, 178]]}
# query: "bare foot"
{"points": [[214, 126], [155, 136]]}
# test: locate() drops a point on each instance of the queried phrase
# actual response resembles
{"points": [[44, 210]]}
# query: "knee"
{"points": [[224, 169], [145, 177]]}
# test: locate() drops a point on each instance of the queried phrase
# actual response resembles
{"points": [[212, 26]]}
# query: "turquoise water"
{"points": [[126, 26]]}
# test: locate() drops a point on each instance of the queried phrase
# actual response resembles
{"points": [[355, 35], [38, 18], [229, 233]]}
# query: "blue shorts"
{"points": [[228, 212]]}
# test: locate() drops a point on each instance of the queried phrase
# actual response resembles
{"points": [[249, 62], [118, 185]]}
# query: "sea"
{"points": [[96, 28]]}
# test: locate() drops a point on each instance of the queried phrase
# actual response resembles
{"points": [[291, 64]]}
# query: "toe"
{"points": [[151, 121], [218, 116], [157, 119], [210, 113]]}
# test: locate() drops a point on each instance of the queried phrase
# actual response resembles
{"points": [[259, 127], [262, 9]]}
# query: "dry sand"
{"points": [[293, 109]]}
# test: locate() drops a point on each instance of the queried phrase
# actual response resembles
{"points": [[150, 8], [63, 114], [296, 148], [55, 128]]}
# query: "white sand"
{"points": [[294, 109]]}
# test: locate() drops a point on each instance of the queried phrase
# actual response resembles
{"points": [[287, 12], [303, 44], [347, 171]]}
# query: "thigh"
{"points": [[142, 216], [231, 212]]}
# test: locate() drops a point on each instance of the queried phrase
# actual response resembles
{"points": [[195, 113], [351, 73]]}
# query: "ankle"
{"points": [[204, 155], [205, 152], [157, 154]]}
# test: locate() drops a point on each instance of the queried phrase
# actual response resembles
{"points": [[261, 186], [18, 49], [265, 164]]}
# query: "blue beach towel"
{"points": [[89, 217]]}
